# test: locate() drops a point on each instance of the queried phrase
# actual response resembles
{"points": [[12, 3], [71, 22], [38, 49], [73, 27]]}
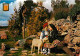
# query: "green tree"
{"points": [[59, 4], [77, 1], [60, 15], [29, 6], [25, 14], [16, 21], [74, 11], [37, 19], [14, 25], [60, 9]]}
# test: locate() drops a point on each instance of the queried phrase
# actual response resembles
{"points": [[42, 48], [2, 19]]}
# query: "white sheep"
{"points": [[37, 43]]}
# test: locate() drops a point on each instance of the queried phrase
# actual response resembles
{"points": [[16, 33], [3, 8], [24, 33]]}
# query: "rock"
{"points": [[60, 21], [78, 17], [78, 23], [13, 49], [76, 40], [78, 26], [4, 36], [72, 29], [70, 45], [65, 28], [64, 33], [31, 36], [51, 22], [13, 52], [34, 54], [9, 54], [68, 18], [77, 33], [57, 27], [67, 38], [25, 52]]}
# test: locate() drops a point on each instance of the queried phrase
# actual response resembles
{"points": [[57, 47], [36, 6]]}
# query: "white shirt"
{"points": [[41, 36]]}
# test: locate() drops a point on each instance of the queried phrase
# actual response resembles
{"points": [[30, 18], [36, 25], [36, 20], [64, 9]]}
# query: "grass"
{"points": [[6, 53], [36, 53], [14, 54], [10, 43], [3, 27], [18, 53], [51, 54], [6, 41], [10, 40]]}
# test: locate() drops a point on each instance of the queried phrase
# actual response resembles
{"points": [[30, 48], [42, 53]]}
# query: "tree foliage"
{"points": [[14, 25], [29, 6], [61, 9], [34, 16], [59, 4], [77, 1], [60, 15], [13, 31], [37, 19], [74, 11]]}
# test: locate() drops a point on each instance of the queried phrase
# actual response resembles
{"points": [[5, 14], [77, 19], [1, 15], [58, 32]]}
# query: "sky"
{"points": [[5, 15]]}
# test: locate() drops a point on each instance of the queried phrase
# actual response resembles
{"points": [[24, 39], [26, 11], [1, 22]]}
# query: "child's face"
{"points": [[49, 28]]}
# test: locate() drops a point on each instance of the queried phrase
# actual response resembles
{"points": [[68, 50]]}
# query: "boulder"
{"points": [[68, 18], [67, 38], [78, 26], [77, 33], [76, 40], [3, 36], [78, 17], [70, 45], [78, 23]]}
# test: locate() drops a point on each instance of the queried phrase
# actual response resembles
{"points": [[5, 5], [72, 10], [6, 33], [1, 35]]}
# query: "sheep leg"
{"points": [[34, 48], [41, 50], [31, 49], [38, 50]]}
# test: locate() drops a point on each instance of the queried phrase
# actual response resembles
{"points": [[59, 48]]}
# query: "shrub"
{"points": [[17, 37], [60, 15], [6, 53], [18, 53], [74, 12], [37, 19], [26, 46], [7, 47], [8, 36], [4, 41]]}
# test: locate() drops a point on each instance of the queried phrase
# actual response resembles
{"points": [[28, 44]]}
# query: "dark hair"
{"points": [[53, 27]]}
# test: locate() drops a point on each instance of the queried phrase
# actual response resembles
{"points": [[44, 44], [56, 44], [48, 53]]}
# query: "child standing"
{"points": [[44, 37]]}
